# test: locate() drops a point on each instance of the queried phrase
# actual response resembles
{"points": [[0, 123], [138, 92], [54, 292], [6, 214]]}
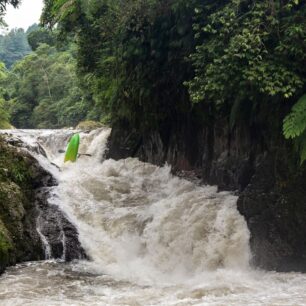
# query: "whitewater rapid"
{"points": [[151, 238]]}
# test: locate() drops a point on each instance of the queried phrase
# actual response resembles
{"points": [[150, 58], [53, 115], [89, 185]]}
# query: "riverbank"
{"points": [[24, 186], [20, 176]]}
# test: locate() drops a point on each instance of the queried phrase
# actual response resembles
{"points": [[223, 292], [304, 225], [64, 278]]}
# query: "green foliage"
{"points": [[13, 47], [295, 122], [32, 28], [295, 127], [63, 12], [40, 36], [4, 114], [247, 52], [13, 168], [43, 90], [131, 55], [300, 147], [238, 59], [5, 244], [250, 58], [89, 125]]}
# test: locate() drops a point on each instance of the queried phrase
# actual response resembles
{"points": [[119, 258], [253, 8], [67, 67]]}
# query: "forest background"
{"points": [[148, 62]]}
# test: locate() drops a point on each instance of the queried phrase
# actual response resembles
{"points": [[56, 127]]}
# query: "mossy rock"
{"points": [[19, 176], [23, 197], [11, 204], [6, 247], [5, 125], [14, 166], [89, 125]]}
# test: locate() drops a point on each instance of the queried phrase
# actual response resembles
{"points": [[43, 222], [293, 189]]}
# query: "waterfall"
{"points": [[168, 229], [164, 227], [151, 238]]}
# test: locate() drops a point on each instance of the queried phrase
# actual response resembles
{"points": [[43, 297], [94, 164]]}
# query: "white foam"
{"points": [[153, 239]]}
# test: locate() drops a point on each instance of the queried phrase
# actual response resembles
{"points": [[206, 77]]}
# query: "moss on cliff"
{"points": [[5, 246], [18, 178], [13, 166], [5, 125]]}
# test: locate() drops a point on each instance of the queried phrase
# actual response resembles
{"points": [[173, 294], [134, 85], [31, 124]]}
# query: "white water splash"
{"points": [[44, 240], [153, 239], [138, 222]]}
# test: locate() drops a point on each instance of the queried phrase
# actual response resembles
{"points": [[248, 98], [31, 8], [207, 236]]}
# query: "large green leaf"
{"points": [[295, 122]]}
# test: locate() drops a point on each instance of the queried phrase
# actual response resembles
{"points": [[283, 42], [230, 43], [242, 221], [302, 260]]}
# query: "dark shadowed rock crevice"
{"points": [[274, 205], [60, 234], [254, 161]]}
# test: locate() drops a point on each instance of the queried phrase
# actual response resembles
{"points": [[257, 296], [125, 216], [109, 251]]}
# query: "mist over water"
{"points": [[152, 238]]}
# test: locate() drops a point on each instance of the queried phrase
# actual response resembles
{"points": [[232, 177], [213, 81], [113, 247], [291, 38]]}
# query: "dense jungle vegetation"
{"points": [[14, 46], [146, 62], [41, 89]]}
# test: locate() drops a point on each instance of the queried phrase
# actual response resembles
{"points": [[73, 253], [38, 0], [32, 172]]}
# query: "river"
{"points": [[151, 238]]}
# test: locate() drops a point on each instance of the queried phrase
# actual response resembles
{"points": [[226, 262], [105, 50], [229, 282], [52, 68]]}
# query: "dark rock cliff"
{"points": [[24, 188], [254, 161]]}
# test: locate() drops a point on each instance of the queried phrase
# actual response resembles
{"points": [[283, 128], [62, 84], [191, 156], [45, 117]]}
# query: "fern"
{"points": [[300, 147], [303, 152], [295, 122], [294, 127]]}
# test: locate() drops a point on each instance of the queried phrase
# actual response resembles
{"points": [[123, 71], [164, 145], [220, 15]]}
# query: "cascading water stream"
{"points": [[152, 238]]}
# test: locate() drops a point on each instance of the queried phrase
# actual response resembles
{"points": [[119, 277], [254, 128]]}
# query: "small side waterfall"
{"points": [[43, 238]]}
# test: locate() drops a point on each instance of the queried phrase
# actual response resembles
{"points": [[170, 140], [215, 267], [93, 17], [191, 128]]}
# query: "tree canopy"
{"points": [[131, 54], [4, 114], [150, 61], [43, 90], [146, 61], [13, 46], [38, 35], [4, 3]]}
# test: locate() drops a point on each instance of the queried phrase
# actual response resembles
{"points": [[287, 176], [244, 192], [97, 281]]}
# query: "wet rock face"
{"points": [[60, 235], [22, 180], [18, 180], [123, 142], [208, 153], [254, 162], [274, 205]]}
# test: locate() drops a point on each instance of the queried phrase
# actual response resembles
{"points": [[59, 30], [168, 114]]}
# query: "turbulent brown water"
{"points": [[152, 238]]}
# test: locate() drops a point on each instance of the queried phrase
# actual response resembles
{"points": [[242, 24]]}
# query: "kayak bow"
{"points": [[72, 149]]}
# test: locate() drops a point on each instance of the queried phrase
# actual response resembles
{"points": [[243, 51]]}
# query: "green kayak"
{"points": [[72, 149]]}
